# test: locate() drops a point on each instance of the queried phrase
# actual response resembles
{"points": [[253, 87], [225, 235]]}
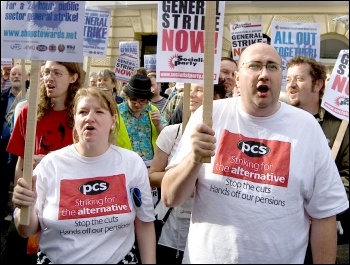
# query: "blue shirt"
{"points": [[139, 130]]}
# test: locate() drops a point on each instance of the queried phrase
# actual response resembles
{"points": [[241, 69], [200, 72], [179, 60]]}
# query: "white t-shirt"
{"points": [[175, 231], [86, 207], [252, 201]]}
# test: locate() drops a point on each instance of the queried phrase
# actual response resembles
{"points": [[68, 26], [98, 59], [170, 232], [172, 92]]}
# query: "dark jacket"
{"points": [[4, 100], [330, 126]]}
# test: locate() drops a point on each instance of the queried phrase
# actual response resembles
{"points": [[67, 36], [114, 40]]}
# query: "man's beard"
{"points": [[294, 102], [16, 83]]}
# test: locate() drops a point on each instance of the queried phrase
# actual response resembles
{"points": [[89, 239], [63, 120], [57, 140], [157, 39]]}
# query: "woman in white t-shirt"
{"points": [[172, 240], [90, 199]]}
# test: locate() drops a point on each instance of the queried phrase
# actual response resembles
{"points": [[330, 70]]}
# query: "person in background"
{"points": [[228, 67], [170, 89], [156, 99], [219, 93], [305, 87], [140, 121], [27, 84], [140, 71], [21, 97], [93, 79], [172, 241], [259, 175], [8, 96], [106, 78], [105, 224], [61, 81], [5, 77], [173, 101], [329, 70]]}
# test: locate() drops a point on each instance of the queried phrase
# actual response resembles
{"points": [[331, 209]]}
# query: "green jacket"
{"points": [[122, 136]]}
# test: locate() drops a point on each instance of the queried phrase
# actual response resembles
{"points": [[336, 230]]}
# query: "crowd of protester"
{"points": [[126, 146]]}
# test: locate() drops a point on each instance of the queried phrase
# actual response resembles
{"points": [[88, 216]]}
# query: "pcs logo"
{"points": [[94, 187], [41, 48], [253, 149]]}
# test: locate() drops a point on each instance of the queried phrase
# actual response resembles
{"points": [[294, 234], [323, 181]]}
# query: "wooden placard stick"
{"points": [[87, 71], [30, 134], [339, 138], [186, 105], [209, 52], [24, 77]]}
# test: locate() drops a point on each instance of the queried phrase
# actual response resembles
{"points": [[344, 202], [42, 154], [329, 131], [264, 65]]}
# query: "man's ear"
{"points": [[319, 84]]}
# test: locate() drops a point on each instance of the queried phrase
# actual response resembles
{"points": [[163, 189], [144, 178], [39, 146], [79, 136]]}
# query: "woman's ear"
{"points": [[74, 78]]}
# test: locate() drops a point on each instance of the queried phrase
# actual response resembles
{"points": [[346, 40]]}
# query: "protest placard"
{"points": [[292, 39], [39, 30], [96, 28], [128, 61], [336, 96], [150, 61], [6, 62], [43, 30], [244, 34], [180, 45]]}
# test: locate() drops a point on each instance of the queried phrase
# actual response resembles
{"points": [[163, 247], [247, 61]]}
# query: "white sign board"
{"points": [[180, 45], [336, 96], [292, 39], [43, 30]]}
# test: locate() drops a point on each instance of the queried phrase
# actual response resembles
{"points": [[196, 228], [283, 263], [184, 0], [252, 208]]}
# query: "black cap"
{"points": [[139, 86]]}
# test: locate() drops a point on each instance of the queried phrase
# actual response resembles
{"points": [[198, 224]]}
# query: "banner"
{"points": [[128, 61], [336, 96], [6, 62], [293, 39], [43, 30], [96, 28], [150, 61], [244, 34], [180, 45]]}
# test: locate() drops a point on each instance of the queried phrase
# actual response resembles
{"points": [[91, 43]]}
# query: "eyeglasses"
{"points": [[139, 101], [258, 66], [55, 73]]}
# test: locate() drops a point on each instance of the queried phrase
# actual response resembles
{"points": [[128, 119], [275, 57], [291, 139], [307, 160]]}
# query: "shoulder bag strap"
{"points": [[167, 214]]}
